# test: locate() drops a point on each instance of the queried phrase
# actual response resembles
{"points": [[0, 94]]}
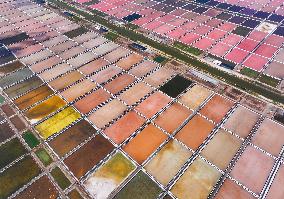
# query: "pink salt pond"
{"points": [[252, 169], [153, 104], [216, 108], [173, 117]]}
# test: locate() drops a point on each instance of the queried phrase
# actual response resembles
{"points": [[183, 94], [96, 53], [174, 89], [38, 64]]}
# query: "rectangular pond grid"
{"points": [[130, 115]]}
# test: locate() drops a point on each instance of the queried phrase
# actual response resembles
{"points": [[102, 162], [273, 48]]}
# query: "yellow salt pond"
{"points": [[195, 96], [197, 181], [169, 160], [57, 122], [45, 108]]}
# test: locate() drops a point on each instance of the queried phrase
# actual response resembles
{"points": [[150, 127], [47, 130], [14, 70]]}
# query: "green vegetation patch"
{"points": [[99, 13], [62, 181], [249, 72], [44, 156], [91, 2], [2, 99], [30, 139], [186, 48], [10, 151], [268, 80], [279, 117], [242, 31], [17, 176], [111, 36], [160, 59], [75, 18], [132, 26], [74, 33], [141, 186]]}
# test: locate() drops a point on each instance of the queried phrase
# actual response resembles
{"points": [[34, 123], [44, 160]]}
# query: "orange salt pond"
{"points": [[124, 127], [33, 96], [173, 117], [92, 100], [195, 132], [45, 108], [145, 143], [216, 108], [129, 61]]}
